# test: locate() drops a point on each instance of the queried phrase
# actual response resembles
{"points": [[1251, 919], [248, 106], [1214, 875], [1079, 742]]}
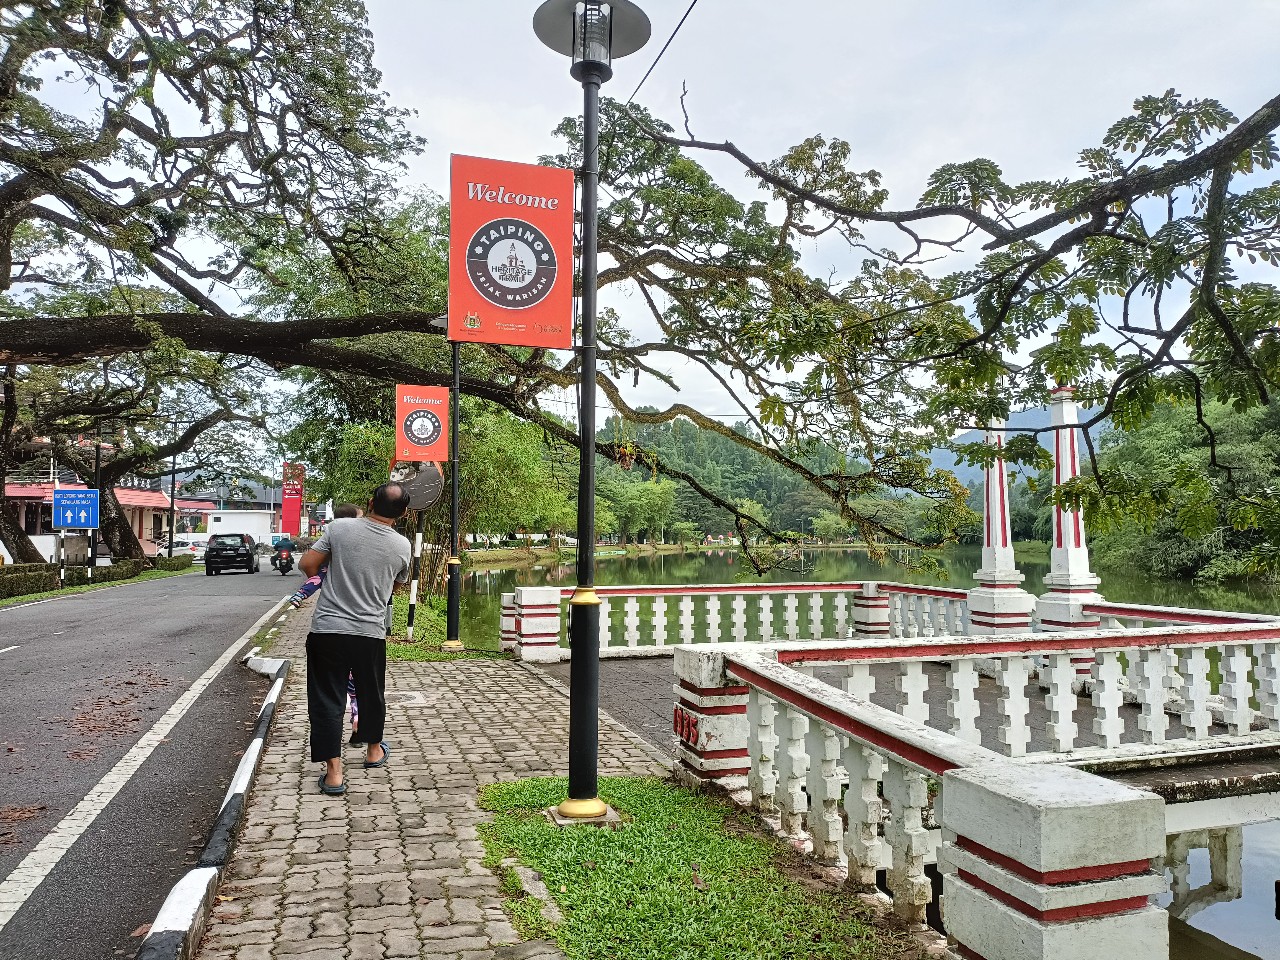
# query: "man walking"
{"points": [[366, 557]]}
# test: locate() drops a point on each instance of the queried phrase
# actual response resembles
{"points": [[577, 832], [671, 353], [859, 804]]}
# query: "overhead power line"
{"points": [[653, 65]]}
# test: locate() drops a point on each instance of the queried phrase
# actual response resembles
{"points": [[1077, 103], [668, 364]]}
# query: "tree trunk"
{"points": [[15, 539], [114, 529]]}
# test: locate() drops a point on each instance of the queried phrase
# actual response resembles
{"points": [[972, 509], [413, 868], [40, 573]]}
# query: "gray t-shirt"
{"points": [[366, 558]]}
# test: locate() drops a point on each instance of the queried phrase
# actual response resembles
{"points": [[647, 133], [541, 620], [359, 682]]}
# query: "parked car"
{"points": [[230, 551], [183, 545]]}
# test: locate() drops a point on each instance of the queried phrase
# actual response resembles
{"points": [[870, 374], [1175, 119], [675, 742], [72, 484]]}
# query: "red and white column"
{"points": [[537, 622], [1070, 584], [710, 721], [1051, 864], [998, 604]]}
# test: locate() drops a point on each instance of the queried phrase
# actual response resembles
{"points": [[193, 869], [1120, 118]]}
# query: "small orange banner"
{"points": [[510, 254], [422, 423]]}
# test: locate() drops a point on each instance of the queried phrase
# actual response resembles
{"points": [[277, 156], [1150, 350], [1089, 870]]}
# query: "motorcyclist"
{"points": [[284, 543]]}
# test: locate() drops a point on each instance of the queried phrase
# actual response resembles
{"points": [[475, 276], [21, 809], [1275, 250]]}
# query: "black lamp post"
{"points": [[591, 33]]}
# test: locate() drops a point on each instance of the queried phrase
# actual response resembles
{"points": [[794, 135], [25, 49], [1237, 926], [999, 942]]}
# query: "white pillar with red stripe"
{"points": [[1071, 585], [710, 721], [507, 624], [998, 604], [1055, 865], [537, 622]]}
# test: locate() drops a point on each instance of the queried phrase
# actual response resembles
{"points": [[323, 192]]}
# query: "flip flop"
{"points": [[332, 791], [386, 752]]}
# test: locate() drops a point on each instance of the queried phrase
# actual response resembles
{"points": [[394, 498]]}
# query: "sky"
{"points": [[911, 84]]}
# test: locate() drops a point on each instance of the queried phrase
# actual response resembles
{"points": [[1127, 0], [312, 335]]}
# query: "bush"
{"points": [[181, 562], [120, 570], [20, 579]]}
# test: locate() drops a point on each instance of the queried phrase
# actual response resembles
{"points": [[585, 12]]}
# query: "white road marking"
{"points": [[7, 649], [39, 863]]}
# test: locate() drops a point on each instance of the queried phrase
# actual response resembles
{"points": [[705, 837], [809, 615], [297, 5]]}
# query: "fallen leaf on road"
{"points": [[18, 814], [142, 931]]}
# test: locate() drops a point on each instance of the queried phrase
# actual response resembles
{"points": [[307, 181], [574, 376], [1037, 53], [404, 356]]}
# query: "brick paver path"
{"points": [[393, 868]]}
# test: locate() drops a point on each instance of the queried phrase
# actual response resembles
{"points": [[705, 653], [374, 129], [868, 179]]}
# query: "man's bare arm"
{"points": [[312, 561]]}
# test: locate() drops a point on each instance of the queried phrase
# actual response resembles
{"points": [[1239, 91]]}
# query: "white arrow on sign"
{"points": [[83, 514], [69, 516]]}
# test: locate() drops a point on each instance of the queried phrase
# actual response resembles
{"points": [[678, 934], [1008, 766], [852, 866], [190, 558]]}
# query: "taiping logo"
{"points": [[422, 428], [511, 263]]}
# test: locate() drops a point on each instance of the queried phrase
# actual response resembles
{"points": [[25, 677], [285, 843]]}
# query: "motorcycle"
{"points": [[283, 561]]}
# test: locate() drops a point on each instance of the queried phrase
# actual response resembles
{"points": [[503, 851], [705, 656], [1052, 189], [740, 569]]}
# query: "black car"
{"points": [[230, 551]]}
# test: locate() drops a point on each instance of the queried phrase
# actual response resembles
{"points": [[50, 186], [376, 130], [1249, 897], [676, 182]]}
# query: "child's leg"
{"points": [[355, 706]]}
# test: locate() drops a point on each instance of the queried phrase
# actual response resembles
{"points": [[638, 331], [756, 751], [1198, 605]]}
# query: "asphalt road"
{"points": [[90, 674]]}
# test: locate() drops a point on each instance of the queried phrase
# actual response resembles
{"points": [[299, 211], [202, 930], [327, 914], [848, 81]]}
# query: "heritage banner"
{"points": [[422, 423], [510, 254]]}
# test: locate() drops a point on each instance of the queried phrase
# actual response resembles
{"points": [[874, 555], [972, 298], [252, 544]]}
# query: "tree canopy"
{"points": [[1145, 278]]}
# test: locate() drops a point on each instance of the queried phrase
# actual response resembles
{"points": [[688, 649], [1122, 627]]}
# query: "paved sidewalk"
{"points": [[393, 868]]}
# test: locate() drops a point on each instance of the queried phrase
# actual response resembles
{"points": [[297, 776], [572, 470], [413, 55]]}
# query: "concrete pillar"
{"points": [[507, 623], [1051, 863], [998, 604], [710, 721], [1070, 583], [537, 624], [871, 613]]}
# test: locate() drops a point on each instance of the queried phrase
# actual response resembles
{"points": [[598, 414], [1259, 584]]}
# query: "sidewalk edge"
{"points": [[179, 926]]}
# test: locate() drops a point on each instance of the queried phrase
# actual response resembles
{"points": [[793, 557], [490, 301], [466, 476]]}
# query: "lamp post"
{"points": [[591, 34]]}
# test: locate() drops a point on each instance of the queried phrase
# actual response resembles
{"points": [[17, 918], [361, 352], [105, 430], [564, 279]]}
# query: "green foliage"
{"points": [[1161, 503], [119, 570], [20, 579], [181, 562], [685, 877]]}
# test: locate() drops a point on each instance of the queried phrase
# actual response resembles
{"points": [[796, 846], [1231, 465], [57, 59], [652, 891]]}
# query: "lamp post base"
{"points": [[582, 812]]}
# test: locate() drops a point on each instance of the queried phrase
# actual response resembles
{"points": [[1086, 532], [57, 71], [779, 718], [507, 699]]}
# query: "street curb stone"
{"points": [[175, 933]]}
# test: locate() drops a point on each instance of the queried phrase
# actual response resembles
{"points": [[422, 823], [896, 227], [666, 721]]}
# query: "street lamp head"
{"points": [[592, 33]]}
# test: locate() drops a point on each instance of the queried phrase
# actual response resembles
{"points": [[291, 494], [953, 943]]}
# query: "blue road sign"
{"points": [[75, 509]]}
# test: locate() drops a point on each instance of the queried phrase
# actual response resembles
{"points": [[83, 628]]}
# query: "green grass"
{"points": [[72, 591], [1031, 550], [686, 877], [428, 633]]}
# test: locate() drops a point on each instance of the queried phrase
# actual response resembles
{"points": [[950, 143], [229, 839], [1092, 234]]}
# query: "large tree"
{"points": [[1152, 269]]}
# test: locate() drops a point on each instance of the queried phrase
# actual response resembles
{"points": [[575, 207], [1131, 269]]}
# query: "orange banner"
{"points": [[422, 423], [510, 254]]}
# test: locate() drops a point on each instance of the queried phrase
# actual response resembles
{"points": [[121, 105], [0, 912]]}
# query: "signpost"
{"points": [[423, 482], [294, 477], [73, 510]]}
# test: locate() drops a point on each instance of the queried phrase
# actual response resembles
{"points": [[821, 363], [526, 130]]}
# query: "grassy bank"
{"points": [[428, 634], [686, 876], [86, 588], [516, 557]]}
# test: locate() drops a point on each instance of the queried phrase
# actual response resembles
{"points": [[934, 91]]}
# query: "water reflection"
{"points": [[1221, 893]]}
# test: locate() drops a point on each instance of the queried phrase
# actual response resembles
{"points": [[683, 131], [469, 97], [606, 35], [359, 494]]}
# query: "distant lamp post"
{"points": [[591, 34]]}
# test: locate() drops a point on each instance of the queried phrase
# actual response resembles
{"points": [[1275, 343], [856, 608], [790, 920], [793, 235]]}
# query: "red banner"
{"points": [[292, 486], [422, 423], [510, 254]]}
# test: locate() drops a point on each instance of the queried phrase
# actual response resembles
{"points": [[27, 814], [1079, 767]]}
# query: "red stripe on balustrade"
{"points": [[909, 752], [1054, 878], [715, 691], [1038, 643], [1167, 616], [726, 589], [1082, 911], [719, 710]]}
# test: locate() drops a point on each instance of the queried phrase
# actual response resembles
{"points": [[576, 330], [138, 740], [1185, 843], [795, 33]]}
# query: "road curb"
{"points": [[176, 932]]}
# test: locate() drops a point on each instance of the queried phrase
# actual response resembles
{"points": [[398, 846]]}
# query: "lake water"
{"points": [[1222, 918]]}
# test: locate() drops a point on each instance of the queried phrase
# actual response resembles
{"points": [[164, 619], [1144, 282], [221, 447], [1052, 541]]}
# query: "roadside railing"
{"points": [[872, 789], [1172, 673], [645, 621]]}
